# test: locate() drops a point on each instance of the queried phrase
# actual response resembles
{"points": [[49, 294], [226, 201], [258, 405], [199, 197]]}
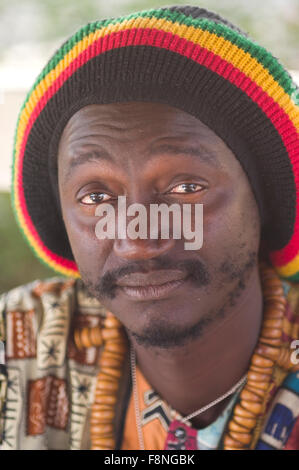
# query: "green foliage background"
{"points": [[273, 23], [18, 265]]}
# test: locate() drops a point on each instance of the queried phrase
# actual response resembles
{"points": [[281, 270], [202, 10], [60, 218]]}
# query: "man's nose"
{"points": [[141, 249], [132, 248]]}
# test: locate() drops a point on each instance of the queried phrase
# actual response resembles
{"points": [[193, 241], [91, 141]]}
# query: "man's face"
{"points": [[152, 154]]}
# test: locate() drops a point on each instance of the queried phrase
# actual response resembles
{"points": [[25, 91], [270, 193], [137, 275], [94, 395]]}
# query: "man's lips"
{"points": [[151, 285], [151, 278]]}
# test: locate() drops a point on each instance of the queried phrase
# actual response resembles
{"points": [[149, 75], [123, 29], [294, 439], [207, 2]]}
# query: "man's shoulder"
{"points": [[28, 296], [28, 303], [35, 321]]}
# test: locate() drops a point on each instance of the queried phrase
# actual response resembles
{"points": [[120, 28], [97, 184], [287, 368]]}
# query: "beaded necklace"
{"points": [[247, 414]]}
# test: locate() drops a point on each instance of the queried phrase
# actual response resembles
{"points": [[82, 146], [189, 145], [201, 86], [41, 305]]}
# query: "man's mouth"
{"points": [[152, 285]]}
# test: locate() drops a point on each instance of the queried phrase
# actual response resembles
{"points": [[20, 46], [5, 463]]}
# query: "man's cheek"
{"points": [[89, 252], [83, 242]]}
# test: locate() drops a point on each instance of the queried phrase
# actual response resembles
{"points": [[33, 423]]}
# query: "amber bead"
{"points": [[116, 355], [244, 438], [246, 422], [85, 338], [110, 372], [98, 447], [274, 302], [258, 385], [94, 436], [276, 299], [100, 399], [240, 411], [102, 429], [274, 313], [110, 334], [233, 426], [257, 376], [254, 408], [107, 399], [261, 361], [77, 339], [273, 323], [267, 351], [107, 378], [250, 396], [228, 441], [232, 448], [253, 389], [112, 322], [118, 347], [101, 407], [271, 332], [109, 362], [106, 416], [96, 336], [88, 337], [265, 370], [104, 442], [272, 290], [107, 385], [276, 342], [102, 391]]}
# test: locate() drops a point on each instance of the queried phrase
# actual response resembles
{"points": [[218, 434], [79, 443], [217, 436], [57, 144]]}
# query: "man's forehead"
{"points": [[134, 120], [109, 132], [130, 109]]}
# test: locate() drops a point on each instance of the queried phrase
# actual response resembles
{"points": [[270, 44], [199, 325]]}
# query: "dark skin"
{"points": [[154, 153]]}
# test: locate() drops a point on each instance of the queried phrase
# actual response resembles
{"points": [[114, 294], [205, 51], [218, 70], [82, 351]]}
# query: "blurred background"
{"points": [[32, 30]]}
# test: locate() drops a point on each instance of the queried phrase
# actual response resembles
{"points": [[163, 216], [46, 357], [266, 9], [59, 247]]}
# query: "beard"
{"points": [[161, 333], [166, 336]]}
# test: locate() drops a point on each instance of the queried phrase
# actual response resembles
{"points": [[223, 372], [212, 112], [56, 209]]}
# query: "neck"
{"points": [[191, 376]]}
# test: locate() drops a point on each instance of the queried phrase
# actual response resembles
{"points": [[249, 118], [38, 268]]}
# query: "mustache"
{"points": [[195, 270]]}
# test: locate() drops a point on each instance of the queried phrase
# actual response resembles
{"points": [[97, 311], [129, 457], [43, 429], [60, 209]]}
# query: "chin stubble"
{"points": [[162, 334], [166, 336]]}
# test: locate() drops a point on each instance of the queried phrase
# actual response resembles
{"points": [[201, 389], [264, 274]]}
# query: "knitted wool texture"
{"points": [[185, 57]]}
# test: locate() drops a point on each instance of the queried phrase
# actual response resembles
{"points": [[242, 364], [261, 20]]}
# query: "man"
{"points": [[156, 346]]}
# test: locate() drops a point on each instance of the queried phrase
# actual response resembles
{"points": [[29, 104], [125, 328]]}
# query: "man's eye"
{"points": [[95, 198], [186, 188]]}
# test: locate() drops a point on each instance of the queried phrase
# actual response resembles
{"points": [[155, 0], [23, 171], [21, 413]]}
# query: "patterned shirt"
{"points": [[47, 385]]}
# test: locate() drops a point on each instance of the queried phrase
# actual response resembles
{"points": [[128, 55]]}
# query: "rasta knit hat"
{"points": [[185, 57]]}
